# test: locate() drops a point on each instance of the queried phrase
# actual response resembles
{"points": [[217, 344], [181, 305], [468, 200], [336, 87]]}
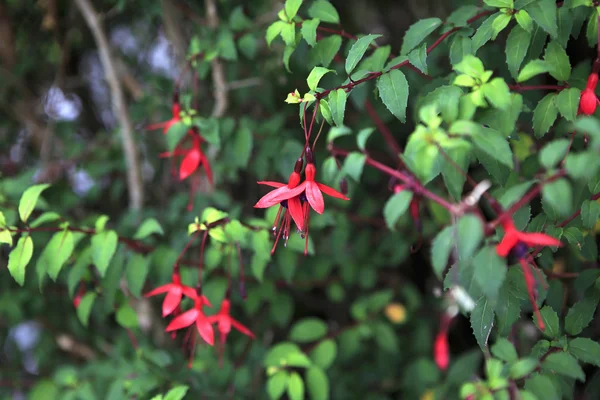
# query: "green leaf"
{"points": [[29, 200], [362, 137], [337, 103], [558, 194], [564, 364], [471, 66], [19, 257], [354, 164], [393, 91], [317, 384], [581, 314], [277, 384], [315, 76], [495, 145], [308, 330], [58, 251], [418, 58], [85, 307], [543, 13], [295, 389], [324, 11], [395, 207], [136, 272], [590, 213], [591, 31], [104, 246], [554, 152], [357, 51], [522, 368], [327, 48], [291, 8], [324, 353], [148, 227], [565, 25], [309, 31], [482, 321], [558, 62], [544, 115], [453, 172], [126, 317], [288, 34], [177, 393], [551, 323], [517, 45], [484, 32], [542, 387], [175, 134], [490, 272], [497, 93], [504, 350], [460, 47], [585, 350], [499, 24], [524, 20], [273, 31], [531, 69], [440, 250], [500, 3], [418, 32], [46, 217], [567, 103], [470, 234]]}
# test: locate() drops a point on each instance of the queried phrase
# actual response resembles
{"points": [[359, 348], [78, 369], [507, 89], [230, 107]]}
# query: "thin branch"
{"points": [[134, 177], [218, 74]]}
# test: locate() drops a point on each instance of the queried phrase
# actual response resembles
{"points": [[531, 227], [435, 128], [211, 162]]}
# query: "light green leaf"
{"points": [[499, 24], [315, 76], [148, 227], [524, 20], [504, 350], [531, 69], [29, 200], [175, 133], [551, 324], [19, 257], [544, 115], [393, 91], [177, 393], [309, 31], [308, 330], [500, 3], [395, 207], [495, 145], [277, 384], [558, 194], [324, 11], [317, 384], [104, 246], [291, 8], [523, 367], [85, 307], [585, 350], [126, 317], [337, 103], [497, 93], [490, 271], [58, 251], [418, 32], [554, 152], [358, 51], [288, 34], [295, 389]]}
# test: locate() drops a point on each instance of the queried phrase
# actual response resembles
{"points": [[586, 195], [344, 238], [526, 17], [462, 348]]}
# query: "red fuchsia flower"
{"points": [[224, 322], [192, 157], [175, 291], [441, 349], [588, 100], [195, 315], [513, 237], [175, 117], [293, 205], [79, 295]]}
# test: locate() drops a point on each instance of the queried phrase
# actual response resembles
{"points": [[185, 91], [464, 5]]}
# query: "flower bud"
{"points": [[588, 101], [592, 82], [298, 166], [310, 158]]}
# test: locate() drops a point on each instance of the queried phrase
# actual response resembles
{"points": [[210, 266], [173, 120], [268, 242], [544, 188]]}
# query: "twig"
{"points": [[218, 74], [134, 177]]}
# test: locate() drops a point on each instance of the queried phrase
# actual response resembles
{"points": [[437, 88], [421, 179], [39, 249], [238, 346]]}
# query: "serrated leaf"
{"points": [[567, 103], [544, 115], [490, 272], [460, 47], [517, 45], [554, 152], [494, 145], [497, 93], [551, 324], [324, 11], [484, 32], [315, 76], [590, 213], [104, 246], [393, 91], [29, 199], [531, 69], [558, 62], [395, 207], [504, 350], [337, 104], [309, 31], [418, 32], [357, 51], [559, 195], [19, 257], [291, 8], [522, 368], [482, 321], [543, 12], [564, 364], [582, 312], [585, 350]]}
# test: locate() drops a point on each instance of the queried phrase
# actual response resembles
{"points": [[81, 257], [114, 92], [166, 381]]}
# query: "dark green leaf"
{"points": [[558, 194], [544, 115], [418, 58], [393, 91], [558, 62], [175, 133], [551, 324], [484, 33], [517, 45], [543, 13], [554, 152], [308, 330], [531, 69], [460, 47], [590, 213], [564, 364], [585, 350], [494, 145], [418, 32], [440, 250], [482, 321], [490, 271], [567, 103], [358, 51], [504, 350]]}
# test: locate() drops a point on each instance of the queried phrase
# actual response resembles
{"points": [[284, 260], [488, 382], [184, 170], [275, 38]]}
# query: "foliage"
{"points": [[430, 224]]}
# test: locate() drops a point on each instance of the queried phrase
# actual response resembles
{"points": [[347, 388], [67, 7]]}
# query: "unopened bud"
{"points": [[298, 166], [588, 102], [592, 81], [310, 158]]}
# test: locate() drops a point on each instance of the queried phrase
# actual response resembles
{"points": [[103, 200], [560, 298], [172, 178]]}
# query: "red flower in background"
{"points": [[195, 315], [224, 322], [193, 157], [512, 237], [441, 349], [588, 100], [175, 291], [175, 117]]}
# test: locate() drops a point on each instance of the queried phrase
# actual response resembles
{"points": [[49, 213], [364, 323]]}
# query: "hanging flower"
{"points": [[193, 157], [224, 322], [588, 100], [512, 237], [175, 117], [175, 291], [195, 315], [441, 349]]}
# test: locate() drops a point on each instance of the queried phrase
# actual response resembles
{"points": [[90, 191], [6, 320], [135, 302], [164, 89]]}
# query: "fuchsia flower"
{"points": [[175, 117], [224, 322], [588, 100], [441, 349], [195, 315], [517, 243], [192, 157], [175, 291]]}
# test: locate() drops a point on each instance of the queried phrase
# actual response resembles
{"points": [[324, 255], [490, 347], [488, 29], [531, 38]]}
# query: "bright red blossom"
{"points": [[589, 100], [441, 351], [195, 315], [512, 237], [193, 158], [224, 322], [175, 117], [175, 291]]}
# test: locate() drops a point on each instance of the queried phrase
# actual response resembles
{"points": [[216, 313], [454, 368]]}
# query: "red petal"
{"points": [[189, 164], [508, 242], [272, 198], [295, 210], [184, 320], [205, 301], [189, 292], [441, 352], [172, 300], [541, 239], [159, 290], [315, 197], [331, 191], [205, 330], [530, 283], [272, 184], [242, 328]]}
